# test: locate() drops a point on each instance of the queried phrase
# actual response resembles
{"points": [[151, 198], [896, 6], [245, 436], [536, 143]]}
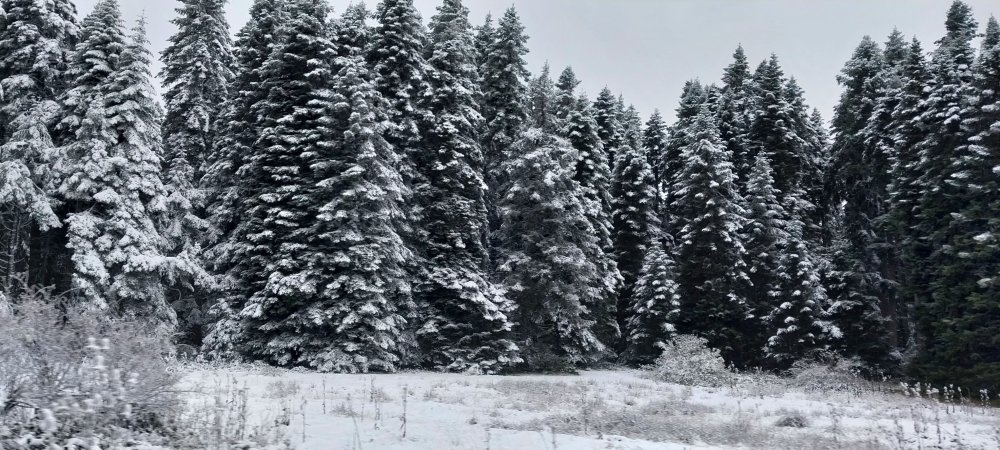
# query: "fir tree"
{"points": [[465, 325], [229, 165], [766, 236], [541, 102], [947, 283], [36, 39], [635, 221], [655, 307], [734, 112], [771, 132], [566, 99], [361, 258], [609, 126], [654, 142], [692, 99], [112, 177], [710, 254], [797, 325], [485, 36], [593, 174], [504, 92], [546, 246], [197, 71], [278, 322]]}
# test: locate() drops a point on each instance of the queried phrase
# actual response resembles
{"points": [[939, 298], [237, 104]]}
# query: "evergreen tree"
{"points": [[359, 251], [541, 102], [710, 253], [485, 36], [766, 237], [546, 242], [797, 325], [771, 131], [112, 176], [655, 307], [962, 316], [396, 54], [906, 129], [504, 91], [197, 71], [566, 99], [635, 224], [654, 142], [465, 325], [593, 174], [670, 166], [734, 112], [609, 126], [36, 39], [278, 321], [226, 180], [938, 212]]}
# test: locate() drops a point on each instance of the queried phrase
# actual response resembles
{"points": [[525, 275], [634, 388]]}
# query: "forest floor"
{"points": [[620, 409]]}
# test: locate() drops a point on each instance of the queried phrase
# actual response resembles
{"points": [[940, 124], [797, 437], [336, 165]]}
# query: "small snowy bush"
{"points": [[839, 376], [688, 360]]}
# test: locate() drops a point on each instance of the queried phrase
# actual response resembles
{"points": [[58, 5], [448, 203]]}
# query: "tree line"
{"points": [[366, 192]]}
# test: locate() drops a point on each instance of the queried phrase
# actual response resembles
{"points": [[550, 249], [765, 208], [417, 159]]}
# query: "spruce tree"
{"points": [[226, 180], [734, 112], [503, 75], [939, 207], [655, 306], [546, 247], [710, 254], [771, 131], [464, 316], [278, 322], [654, 142], [609, 124], [635, 221], [358, 253], [541, 101], [197, 71], [36, 39], [112, 176], [797, 326], [593, 174], [566, 99], [485, 36], [672, 162], [766, 238]]}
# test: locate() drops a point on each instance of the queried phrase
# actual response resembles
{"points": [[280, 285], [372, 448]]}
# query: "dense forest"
{"points": [[369, 192]]}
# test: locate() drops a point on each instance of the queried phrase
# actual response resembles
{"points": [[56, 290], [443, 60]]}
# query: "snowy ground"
{"points": [[596, 410]]}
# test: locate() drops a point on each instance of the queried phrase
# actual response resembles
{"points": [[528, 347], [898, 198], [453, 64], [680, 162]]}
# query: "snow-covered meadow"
{"points": [[613, 409]]}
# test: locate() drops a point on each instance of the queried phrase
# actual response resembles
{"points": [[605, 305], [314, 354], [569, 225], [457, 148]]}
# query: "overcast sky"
{"points": [[646, 49]]}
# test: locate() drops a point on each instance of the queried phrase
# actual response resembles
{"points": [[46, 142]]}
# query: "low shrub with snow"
{"points": [[688, 360], [841, 375], [71, 379]]}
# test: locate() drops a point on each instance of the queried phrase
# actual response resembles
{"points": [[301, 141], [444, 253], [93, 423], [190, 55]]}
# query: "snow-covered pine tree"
{"points": [[36, 39], [566, 98], [546, 247], [608, 122], [798, 327], [197, 71], [396, 54], [632, 126], [112, 176], [655, 306], [226, 180], [771, 131], [965, 287], [278, 321], [636, 223], [900, 222], [464, 316], [485, 36], [692, 99], [504, 74], [654, 142], [766, 238], [734, 111], [541, 101], [945, 353], [593, 174], [359, 255], [710, 254]]}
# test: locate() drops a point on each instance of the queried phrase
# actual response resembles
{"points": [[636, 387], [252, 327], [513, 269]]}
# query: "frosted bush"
{"points": [[839, 376], [688, 360]]}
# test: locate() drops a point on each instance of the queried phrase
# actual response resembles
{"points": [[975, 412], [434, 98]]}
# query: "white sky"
{"points": [[646, 49]]}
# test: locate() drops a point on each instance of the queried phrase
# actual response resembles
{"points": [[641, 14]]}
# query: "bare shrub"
{"points": [[688, 361]]}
